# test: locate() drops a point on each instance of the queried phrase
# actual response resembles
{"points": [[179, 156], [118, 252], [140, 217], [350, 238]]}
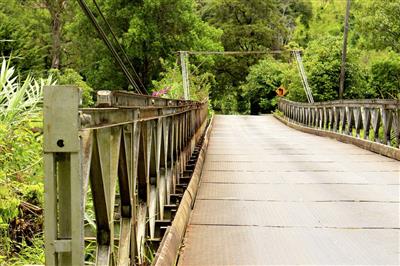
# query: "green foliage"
{"points": [[19, 102], [30, 254], [262, 82], [151, 31], [248, 26], [200, 82], [369, 73], [30, 250], [379, 24], [292, 82], [8, 211], [20, 143], [171, 79], [254, 25], [27, 25], [8, 207], [228, 103], [322, 61], [20, 157], [327, 19], [69, 76], [20, 151], [385, 75], [230, 73]]}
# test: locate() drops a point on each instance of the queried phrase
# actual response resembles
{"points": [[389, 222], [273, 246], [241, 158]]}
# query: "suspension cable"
{"points": [[143, 88], [105, 39], [303, 76]]}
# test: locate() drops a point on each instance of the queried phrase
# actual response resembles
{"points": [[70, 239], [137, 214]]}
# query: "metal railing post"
{"points": [[380, 116], [134, 153], [63, 207]]}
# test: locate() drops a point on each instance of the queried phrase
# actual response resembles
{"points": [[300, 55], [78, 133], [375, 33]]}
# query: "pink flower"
{"points": [[161, 92]]}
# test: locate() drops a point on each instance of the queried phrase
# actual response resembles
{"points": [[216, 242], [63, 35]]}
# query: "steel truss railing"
{"points": [[349, 117], [126, 161]]}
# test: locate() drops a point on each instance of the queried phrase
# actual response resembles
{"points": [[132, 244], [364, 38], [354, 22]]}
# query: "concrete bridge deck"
{"points": [[272, 195]]}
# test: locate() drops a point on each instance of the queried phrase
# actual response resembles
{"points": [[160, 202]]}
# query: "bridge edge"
{"points": [[361, 143], [168, 252]]}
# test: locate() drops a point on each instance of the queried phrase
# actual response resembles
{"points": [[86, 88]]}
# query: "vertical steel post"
{"points": [[63, 207]]}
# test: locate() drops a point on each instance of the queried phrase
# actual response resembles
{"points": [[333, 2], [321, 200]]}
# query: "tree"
{"points": [[385, 75], [36, 28], [379, 24], [56, 9], [24, 26], [322, 61], [262, 82], [255, 24], [327, 19], [248, 26], [148, 30]]}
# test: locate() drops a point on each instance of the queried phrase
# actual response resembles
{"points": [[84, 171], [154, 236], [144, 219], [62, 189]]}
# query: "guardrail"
{"points": [[374, 120], [127, 161]]}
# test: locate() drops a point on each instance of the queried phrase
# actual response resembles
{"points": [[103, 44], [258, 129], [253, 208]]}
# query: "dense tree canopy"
{"points": [[262, 82], [148, 31], [44, 34], [25, 34], [249, 26], [53, 41], [379, 24], [256, 24]]}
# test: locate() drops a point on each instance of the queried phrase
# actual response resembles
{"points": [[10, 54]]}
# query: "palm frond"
{"points": [[19, 100]]}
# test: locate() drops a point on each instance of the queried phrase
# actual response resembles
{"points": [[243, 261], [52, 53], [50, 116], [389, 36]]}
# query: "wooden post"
{"points": [[344, 52], [185, 74]]}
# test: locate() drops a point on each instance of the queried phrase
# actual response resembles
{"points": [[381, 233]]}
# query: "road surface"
{"points": [[272, 195]]}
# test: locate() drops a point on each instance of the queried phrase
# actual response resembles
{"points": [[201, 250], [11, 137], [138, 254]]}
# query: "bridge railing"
{"points": [[125, 161], [375, 120]]}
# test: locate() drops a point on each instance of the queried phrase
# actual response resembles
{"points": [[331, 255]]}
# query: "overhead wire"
{"points": [[295, 53], [229, 53], [232, 52]]}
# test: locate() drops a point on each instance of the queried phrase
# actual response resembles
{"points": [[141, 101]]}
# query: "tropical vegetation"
{"points": [[44, 42]]}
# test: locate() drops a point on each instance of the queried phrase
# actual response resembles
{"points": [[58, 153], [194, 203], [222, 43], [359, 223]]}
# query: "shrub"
{"points": [[385, 75], [322, 62], [171, 83], [20, 161], [71, 77], [263, 80]]}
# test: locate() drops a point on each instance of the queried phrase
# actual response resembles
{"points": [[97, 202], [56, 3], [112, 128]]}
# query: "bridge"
{"points": [[144, 180]]}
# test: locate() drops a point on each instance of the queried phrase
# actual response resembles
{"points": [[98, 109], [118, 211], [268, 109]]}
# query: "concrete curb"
{"points": [[362, 143], [168, 251]]}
